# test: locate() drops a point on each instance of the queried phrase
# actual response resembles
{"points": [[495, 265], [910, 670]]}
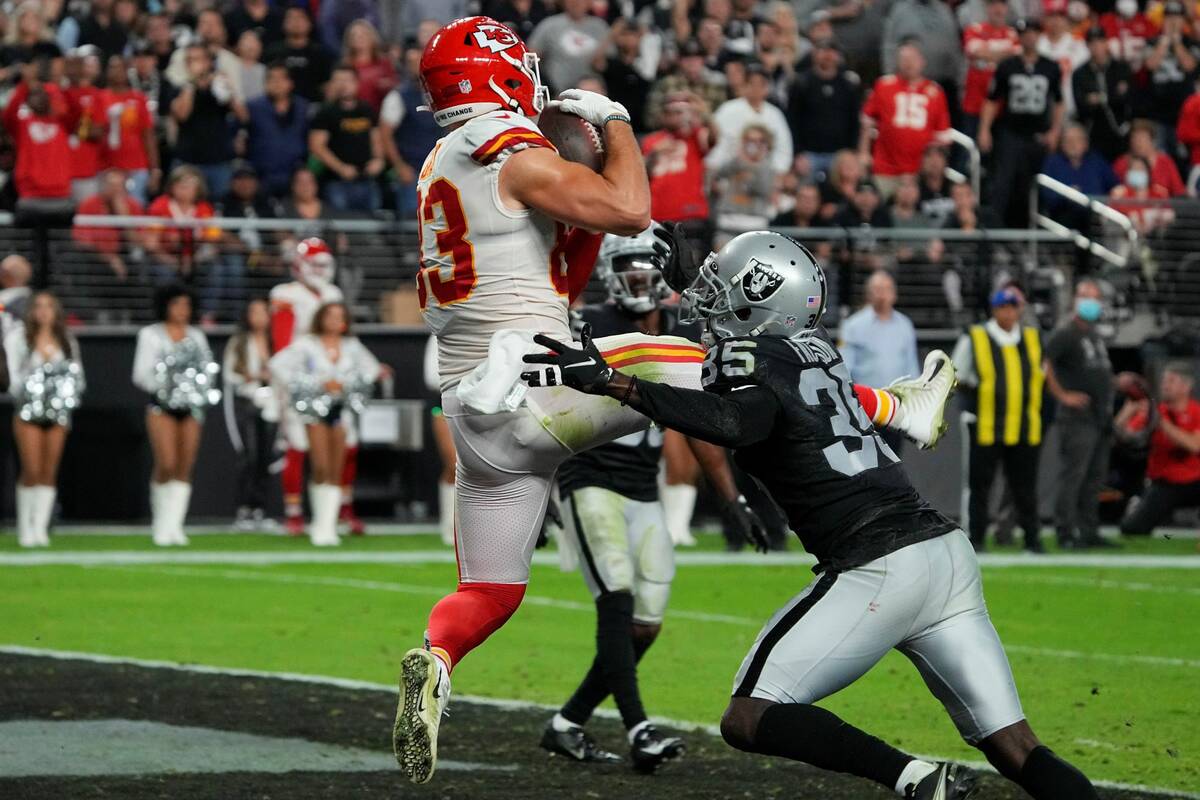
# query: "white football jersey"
{"points": [[293, 306], [484, 267]]}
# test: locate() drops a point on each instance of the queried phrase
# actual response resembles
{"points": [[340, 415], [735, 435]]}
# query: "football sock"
{"points": [[879, 404], [561, 724], [818, 737], [594, 688], [1046, 776], [678, 501], [914, 773], [460, 622], [293, 482], [25, 514], [615, 667]]}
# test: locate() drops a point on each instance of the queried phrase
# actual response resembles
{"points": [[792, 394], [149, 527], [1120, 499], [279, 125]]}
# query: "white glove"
{"points": [[591, 106]]}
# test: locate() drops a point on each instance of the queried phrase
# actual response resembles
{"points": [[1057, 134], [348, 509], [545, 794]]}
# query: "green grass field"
{"points": [[1107, 656]]}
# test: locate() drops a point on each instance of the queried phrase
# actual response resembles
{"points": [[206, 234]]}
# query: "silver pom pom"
{"points": [[187, 378], [51, 393]]}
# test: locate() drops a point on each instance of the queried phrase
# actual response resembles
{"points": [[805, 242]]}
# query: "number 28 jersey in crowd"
{"points": [[484, 267], [843, 489]]}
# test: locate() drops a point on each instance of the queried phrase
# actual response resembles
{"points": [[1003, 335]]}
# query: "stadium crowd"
{"points": [[814, 112]]}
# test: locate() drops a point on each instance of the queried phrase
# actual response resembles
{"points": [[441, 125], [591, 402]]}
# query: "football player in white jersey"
{"points": [[293, 306], [506, 242]]}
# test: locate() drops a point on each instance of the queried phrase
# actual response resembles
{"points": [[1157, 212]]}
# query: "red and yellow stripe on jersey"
{"points": [[642, 352], [493, 147]]}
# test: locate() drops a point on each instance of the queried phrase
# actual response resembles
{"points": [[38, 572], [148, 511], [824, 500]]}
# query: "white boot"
{"points": [[43, 510], [158, 514], [25, 502], [679, 501], [446, 512], [921, 413], [180, 494], [326, 500]]}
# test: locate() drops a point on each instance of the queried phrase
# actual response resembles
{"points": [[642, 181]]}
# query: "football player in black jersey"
{"points": [[615, 520], [892, 572]]}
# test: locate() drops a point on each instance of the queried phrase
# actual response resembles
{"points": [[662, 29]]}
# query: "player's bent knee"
{"points": [[740, 722]]}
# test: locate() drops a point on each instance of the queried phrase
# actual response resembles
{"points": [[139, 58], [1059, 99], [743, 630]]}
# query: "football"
{"points": [[576, 139]]}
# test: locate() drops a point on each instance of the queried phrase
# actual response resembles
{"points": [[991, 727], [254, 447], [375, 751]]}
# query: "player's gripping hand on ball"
{"points": [[583, 369], [591, 106]]}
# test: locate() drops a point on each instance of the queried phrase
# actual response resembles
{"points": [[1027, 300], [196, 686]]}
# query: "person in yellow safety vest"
{"points": [[999, 366]]}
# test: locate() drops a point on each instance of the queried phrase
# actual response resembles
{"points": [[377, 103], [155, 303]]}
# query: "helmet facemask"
{"points": [[636, 284]]}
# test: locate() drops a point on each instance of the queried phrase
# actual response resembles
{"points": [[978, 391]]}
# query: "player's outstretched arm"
{"points": [[743, 417], [616, 200]]}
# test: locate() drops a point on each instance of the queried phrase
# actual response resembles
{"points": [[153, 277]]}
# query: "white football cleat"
{"points": [[424, 693], [921, 408]]}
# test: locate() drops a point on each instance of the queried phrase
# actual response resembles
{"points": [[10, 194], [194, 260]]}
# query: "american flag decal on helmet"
{"points": [[813, 301]]}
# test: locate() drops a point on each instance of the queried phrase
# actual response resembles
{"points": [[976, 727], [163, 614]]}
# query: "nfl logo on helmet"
{"points": [[464, 86]]}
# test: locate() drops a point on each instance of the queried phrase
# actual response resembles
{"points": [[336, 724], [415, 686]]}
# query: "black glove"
{"points": [[741, 518], [680, 266], [583, 369]]}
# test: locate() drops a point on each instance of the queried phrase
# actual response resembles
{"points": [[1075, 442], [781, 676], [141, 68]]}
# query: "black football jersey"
{"points": [[628, 466], [843, 489]]}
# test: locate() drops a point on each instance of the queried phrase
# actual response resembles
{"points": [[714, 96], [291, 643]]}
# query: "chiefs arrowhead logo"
{"points": [[760, 281], [495, 38]]}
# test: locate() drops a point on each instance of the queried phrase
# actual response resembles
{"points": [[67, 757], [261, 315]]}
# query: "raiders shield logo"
{"points": [[760, 281]]}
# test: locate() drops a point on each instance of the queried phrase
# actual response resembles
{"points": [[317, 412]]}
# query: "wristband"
{"points": [[629, 390], [617, 118]]}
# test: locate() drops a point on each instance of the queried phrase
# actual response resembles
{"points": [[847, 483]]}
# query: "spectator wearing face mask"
{"points": [[1142, 143], [1141, 199], [1128, 32], [1079, 377]]}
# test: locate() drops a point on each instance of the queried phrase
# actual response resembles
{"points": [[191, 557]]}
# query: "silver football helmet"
{"points": [[760, 283], [632, 272]]}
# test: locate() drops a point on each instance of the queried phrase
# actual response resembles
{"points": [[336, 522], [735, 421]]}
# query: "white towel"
{"points": [[495, 385]]}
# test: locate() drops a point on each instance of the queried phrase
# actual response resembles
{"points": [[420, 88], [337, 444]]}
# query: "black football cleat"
{"points": [[650, 748], [577, 745], [947, 782]]}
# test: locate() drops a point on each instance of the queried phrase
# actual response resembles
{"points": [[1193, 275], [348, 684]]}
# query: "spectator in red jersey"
{"points": [[1142, 138], [363, 50], [906, 112], [179, 251], [36, 120], [109, 244], [1141, 199], [87, 119], [1173, 464], [1128, 31], [675, 163], [130, 145], [985, 44], [1188, 132]]}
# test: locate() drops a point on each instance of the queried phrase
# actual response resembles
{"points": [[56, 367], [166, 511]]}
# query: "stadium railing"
{"points": [[105, 269]]}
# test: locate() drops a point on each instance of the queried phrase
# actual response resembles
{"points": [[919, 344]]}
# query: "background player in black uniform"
{"points": [[1020, 123], [892, 572], [615, 520]]}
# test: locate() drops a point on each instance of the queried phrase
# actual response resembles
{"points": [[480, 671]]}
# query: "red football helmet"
{"points": [[474, 66], [313, 262]]}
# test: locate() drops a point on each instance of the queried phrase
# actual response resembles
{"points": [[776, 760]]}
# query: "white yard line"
{"points": [[1094, 583], [505, 704], [41, 558], [569, 605]]}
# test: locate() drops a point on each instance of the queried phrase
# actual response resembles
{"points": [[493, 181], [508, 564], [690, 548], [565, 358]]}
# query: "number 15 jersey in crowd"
{"points": [[484, 267], [843, 489]]}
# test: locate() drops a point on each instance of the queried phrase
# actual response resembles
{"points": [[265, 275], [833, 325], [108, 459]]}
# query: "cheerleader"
{"points": [[40, 433], [336, 365], [251, 412], [174, 430]]}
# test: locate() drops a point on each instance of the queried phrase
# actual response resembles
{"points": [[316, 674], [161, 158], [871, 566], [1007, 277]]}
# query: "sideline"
{"points": [[508, 705]]}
